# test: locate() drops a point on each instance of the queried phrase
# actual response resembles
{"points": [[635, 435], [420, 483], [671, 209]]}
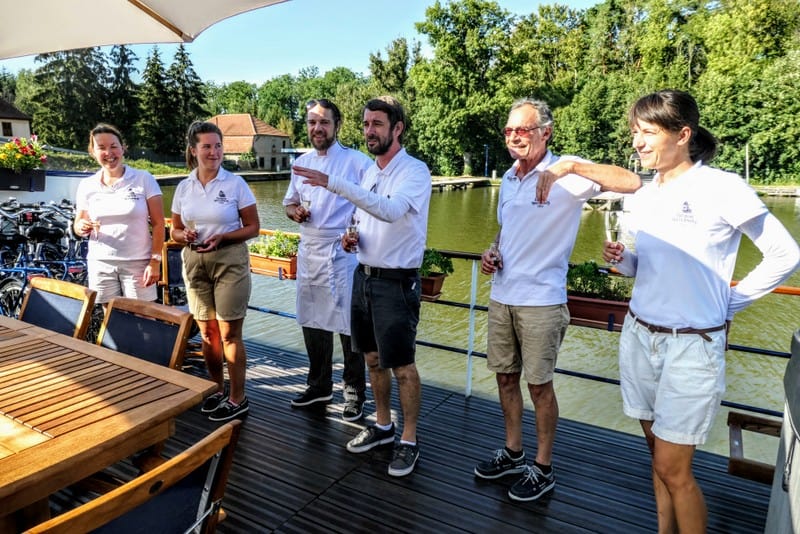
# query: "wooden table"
{"points": [[69, 409]]}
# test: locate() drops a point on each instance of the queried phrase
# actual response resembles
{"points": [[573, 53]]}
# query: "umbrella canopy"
{"points": [[52, 25]]}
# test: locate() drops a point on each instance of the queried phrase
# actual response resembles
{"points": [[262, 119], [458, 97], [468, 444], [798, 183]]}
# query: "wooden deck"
{"points": [[292, 472]]}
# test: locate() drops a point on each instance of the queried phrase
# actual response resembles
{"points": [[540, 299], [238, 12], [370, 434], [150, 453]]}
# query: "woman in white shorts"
{"points": [[686, 227], [214, 212], [120, 210]]}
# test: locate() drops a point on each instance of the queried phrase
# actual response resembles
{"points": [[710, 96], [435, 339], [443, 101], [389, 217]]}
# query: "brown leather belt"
{"points": [[655, 329]]}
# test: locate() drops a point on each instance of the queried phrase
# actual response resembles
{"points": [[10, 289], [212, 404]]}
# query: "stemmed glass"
{"points": [[494, 252], [352, 233], [613, 223], [306, 203]]}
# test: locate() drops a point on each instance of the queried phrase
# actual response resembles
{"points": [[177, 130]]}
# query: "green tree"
{"points": [[456, 110], [156, 112], [68, 95], [8, 86], [187, 96], [122, 106]]}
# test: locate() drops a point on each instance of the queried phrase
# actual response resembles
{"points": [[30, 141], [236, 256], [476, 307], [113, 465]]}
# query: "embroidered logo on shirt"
{"points": [[221, 198], [685, 216], [132, 195]]}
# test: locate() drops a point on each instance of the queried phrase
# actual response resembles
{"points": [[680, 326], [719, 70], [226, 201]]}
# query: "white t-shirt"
{"points": [[122, 212], [329, 211], [215, 207], [536, 240], [392, 212], [686, 238]]}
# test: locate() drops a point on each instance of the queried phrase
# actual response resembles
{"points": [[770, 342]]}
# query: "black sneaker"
{"points": [[369, 438], [404, 460], [353, 404], [310, 396], [214, 401], [228, 411], [502, 464], [532, 485]]}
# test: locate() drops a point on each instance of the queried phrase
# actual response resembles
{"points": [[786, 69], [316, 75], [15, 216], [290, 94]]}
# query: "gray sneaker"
{"points": [[502, 464], [404, 460], [369, 438], [532, 485], [353, 404]]}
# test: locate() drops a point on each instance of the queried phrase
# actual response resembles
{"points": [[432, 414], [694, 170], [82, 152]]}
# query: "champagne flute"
{"points": [[494, 252], [613, 224], [352, 233], [95, 232], [191, 225], [306, 203]]}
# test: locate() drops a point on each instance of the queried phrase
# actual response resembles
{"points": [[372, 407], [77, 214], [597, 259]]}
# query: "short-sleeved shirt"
{"points": [[122, 212], [536, 240], [686, 239], [215, 207]]}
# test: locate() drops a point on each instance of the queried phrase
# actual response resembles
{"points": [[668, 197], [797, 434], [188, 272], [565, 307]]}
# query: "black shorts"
{"points": [[384, 314]]}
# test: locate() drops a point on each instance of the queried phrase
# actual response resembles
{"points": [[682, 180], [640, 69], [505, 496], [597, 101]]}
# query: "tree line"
{"points": [[740, 58]]}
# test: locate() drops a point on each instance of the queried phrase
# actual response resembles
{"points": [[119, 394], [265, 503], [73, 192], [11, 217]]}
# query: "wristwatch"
{"points": [[156, 257]]}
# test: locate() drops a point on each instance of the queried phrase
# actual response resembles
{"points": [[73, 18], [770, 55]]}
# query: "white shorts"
{"points": [[676, 381], [122, 278]]}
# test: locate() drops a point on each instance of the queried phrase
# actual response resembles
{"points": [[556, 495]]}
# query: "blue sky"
{"points": [[284, 38]]}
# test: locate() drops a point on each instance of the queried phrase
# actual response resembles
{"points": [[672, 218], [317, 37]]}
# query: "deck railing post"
{"points": [[473, 297]]}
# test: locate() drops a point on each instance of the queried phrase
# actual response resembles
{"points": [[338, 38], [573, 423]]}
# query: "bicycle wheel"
{"points": [[95, 324], [11, 296]]}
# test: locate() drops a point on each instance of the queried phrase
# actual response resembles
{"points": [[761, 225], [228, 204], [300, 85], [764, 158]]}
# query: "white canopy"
{"points": [[41, 26]]}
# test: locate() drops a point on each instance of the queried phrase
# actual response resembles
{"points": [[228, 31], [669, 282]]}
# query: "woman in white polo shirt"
{"points": [[214, 213], [120, 209], [687, 225]]}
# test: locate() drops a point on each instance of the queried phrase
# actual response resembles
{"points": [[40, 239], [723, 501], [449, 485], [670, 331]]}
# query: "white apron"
{"points": [[324, 281]]}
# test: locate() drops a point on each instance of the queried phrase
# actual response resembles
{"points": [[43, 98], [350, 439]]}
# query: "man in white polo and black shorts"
{"points": [[392, 219]]}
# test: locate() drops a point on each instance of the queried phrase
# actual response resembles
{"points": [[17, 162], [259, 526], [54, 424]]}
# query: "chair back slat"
{"points": [[167, 499], [58, 305], [147, 330]]}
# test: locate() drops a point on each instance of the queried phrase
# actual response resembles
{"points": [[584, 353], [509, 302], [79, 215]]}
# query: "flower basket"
{"points": [[597, 313], [27, 180], [282, 268]]}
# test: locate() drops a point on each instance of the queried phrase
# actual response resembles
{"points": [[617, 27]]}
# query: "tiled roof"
{"points": [[237, 124], [7, 111]]}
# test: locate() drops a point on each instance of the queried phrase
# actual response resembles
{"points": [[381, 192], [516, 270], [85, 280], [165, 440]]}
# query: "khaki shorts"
{"points": [[217, 282], [526, 339], [119, 278]]}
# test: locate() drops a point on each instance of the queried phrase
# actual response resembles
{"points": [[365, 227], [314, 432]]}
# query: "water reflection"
{"points": [[466, 221]]}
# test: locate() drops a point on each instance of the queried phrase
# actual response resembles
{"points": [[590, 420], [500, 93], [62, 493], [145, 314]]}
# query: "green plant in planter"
{"points": [[279, 245], [434, 262], [587, 279]]}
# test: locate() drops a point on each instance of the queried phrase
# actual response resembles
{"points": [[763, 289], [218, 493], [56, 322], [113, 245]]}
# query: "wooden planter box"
{"points": [[431, 286], [597, 313], [31, 180], [274, 266]]}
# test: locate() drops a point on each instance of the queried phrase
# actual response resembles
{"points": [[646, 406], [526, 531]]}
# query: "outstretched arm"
{"points": [[610, 177]]}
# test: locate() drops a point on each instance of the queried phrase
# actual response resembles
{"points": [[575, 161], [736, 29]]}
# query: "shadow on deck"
{"points": [[292, 472]]}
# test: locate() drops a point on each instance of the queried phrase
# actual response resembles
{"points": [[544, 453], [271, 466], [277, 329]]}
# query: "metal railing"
{"points": [[473, 308]]}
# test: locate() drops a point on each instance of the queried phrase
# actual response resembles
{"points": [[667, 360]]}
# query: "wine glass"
{"points": [[613, 224], [494, 252], [306, 203], [352, 233]]}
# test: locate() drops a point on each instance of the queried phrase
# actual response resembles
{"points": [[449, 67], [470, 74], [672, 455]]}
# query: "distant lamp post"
{"points": [[485, 160]]}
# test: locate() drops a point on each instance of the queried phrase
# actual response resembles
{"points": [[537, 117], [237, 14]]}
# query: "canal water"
{"points": [[466, 221]]}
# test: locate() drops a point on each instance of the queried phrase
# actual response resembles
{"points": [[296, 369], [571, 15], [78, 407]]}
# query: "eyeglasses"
{"points": [[522, 131]]}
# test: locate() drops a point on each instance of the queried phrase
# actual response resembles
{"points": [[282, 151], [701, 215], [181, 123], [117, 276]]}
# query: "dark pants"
{"points": [[319, 345]]}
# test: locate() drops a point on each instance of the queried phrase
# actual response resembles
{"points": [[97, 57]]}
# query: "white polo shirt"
{"points": [[215, 207], [122, 211], [686, 240], [536, 240], [329, 211], [392, 212]]}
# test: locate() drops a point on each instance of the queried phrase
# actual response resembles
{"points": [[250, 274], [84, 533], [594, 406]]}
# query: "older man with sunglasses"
{"points": [[541, 198]]}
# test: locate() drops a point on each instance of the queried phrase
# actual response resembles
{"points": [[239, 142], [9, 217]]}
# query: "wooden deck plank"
{"points": [[292, 472]]}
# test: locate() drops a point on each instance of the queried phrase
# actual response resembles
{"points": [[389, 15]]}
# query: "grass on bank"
{"points": [[84, 162]]}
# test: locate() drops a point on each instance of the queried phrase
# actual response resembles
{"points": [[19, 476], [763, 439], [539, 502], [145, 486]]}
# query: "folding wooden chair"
{"points": [[148, 330], [180, 495], [58, 305]]}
